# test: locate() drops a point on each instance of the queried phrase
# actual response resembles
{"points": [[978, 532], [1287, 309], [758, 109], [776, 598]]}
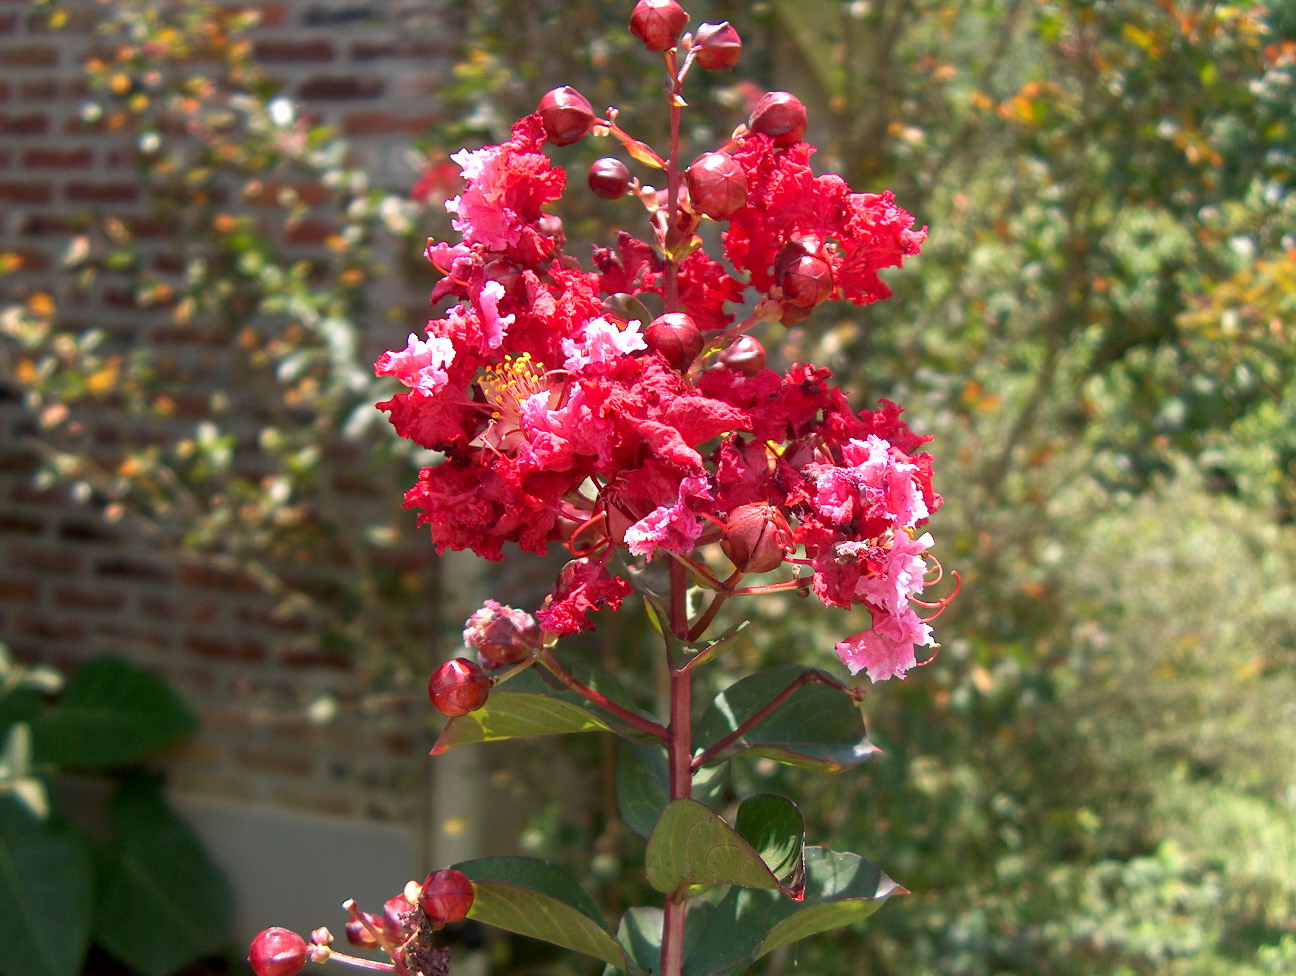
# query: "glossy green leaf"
{"points": [[155, 876], [45, 885], [818, 726], [537, 899], [722, 939], [640, 935], [112, 713], [776, 830], [840, 889], [643, 785], [528, 705], [691, 845]]}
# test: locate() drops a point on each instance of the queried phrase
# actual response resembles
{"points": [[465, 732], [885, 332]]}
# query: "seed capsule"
{"points": [[658, 23], [781, 116], [609, 178], [676, 336], [717, 47], [458, 687], [757, 538], [447, 896], [566, 115], [717, 185]]}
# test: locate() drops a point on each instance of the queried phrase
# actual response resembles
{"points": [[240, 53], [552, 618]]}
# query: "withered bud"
{"points": [[551, 226], [757, 538], [567, 115], [658, 23], [608, 178], [717, 47], [502, 635], [781, 116], [360, 936], [744, 354], [676, 336], [717, 185]]}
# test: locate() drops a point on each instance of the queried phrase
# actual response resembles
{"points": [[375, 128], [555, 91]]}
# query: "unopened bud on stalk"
{"points": [[658, 23], [676, 336], [277, 952], [717, 47], [717, 185], [781, 116], [567, 115], [806, 279], [447, 896], [757, 538], [745, 354], [609, 178], [458, 687]]}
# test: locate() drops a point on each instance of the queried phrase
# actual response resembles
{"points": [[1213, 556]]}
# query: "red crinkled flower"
{"points": [[583, 586]]}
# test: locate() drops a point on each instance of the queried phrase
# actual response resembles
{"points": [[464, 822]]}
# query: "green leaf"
{"points": [[537, 899], [640, 935], [692, 846], [45, 886], [722, 939], [818, 726], [775, 829], [527, 705], [111, 714], [643, 785], [707, 651], [840, 889], [155, 876]]}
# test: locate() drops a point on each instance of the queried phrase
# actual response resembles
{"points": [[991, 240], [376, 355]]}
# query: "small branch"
{"points": [[720, 745], [601, 701]]}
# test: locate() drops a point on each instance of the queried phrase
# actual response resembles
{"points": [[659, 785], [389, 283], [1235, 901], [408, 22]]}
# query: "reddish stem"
{"points": [[679, 747], [602, 701]]}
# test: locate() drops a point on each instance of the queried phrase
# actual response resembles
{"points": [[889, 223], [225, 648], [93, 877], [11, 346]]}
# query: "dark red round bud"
{"points": [[447, 896], [567, 115], [745, 355], [676, 336], [458, 687], [358, 935], [717, 47], [502, 635], [717, 185], [806, 281], [609, 178], [277, 952], [781, 116], [757, 538], [658, 23]]}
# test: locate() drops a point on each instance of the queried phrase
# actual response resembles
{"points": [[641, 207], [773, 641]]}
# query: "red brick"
{"points": [[269, 760], [50, 157], [32, 260], [18, 590], [385, 123], [51, 89], [12, 191], [136, 568], [226, 649], [312, 659], [30, 56], [209, 578], [45, 225], [101, 192], [316, 50], [41, 560], [272, 14], [29, 124], [8, 23], [269, 193], [160, 608], [17, 523], [383, 50], [82, 598], [310, 232], [324, 88], [50, 628]]}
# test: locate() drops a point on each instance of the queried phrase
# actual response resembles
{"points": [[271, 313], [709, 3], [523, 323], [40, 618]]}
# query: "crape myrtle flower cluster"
{"points": [[567, 413]]}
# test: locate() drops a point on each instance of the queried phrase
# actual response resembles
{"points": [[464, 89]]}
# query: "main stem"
{"points": [[679, 731]]}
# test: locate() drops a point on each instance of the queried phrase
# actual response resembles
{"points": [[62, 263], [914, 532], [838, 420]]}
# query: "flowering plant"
{"points": [[627, 413]]}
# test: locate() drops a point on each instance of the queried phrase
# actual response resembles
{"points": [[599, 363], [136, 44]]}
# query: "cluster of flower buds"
{"points": [[568, 413], [403, 931]]}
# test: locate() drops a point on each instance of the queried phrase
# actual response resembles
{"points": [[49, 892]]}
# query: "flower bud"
{"points": [[757, 538], [502, 635], [447, 896], [716, 47], [717, 185], [277, 952], [676, 336], [781, 116], [458, 687], [658, 23], [806, 281], [566, 115], [745, 355], [609, 178]]}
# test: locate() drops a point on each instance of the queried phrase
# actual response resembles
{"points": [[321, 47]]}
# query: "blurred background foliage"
{"points": [[1098, 773]]}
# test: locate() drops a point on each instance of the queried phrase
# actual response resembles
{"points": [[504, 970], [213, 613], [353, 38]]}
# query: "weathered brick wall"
{"points": [[73, 586]]}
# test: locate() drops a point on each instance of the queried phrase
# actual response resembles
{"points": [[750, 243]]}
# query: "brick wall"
{"points": [[72, 585]]}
